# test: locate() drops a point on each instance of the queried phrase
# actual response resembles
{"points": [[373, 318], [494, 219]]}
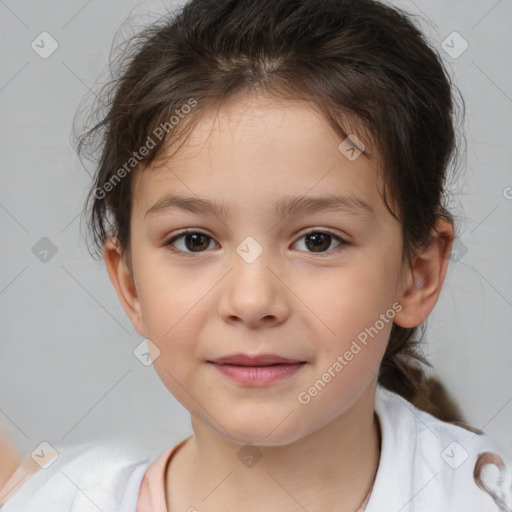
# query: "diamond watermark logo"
{"points": [[351, 148], [454, 45], [459, 250], [249, 455], [454, 455], [146, 352], [44, 455], [44, 45], [44, 250], [249, 250]]}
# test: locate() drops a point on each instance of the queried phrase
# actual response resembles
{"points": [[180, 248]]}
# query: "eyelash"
{"points": [[182, 234]]}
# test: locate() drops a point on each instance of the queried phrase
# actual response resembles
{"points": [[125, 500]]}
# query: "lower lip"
{"points": [[258, 375]]}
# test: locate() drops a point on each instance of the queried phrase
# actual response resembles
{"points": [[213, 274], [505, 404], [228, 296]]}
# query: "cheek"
{"points": [[173, 314], [170, 299], [174, 304], [353, 317], [350, 342], [349, 301]]}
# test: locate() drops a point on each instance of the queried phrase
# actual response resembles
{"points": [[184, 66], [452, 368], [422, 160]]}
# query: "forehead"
{"points": [[260, 148]]}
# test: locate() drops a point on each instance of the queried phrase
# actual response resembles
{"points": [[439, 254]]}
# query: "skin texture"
{"points": [[290, 301]]}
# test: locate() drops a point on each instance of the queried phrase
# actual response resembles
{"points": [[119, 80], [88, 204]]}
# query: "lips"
{"points": [[257, 371], [258, 360]]}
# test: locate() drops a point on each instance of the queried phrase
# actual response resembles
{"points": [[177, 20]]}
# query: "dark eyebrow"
{"points": [[288, 205], [190, 204], [291, 205]]}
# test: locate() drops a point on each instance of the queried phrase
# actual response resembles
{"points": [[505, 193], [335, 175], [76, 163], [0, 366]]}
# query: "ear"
{"points": [[423, 280], [121, 275]]}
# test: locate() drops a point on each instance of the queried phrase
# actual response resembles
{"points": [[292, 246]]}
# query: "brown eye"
{"points": [[190, 242], [320, 241]]}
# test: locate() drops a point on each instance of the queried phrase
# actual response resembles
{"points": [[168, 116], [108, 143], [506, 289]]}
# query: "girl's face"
{"points": [[294, 254]]}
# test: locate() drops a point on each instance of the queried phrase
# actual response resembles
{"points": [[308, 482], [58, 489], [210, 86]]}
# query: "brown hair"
{"points": [[363, 61]]}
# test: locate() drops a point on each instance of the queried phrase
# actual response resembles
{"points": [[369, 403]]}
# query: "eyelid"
{"points": [[342, 240], [182, 233], [319, 229]]}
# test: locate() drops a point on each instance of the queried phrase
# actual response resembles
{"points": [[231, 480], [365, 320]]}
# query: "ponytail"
{"points": [[401, 372]]}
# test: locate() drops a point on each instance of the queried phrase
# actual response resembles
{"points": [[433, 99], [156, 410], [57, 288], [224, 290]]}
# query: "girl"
{"points": [[269, 204]]}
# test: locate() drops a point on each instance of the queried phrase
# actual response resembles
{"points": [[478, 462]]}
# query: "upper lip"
{"points": [[257, 360]]}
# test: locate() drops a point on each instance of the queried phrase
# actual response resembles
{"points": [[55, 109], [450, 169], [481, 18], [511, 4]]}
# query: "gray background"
{"points": [[67, 368]]}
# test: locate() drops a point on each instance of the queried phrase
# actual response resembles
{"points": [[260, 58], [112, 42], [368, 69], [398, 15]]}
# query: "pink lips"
{"points": [[257, 370], [259, 360]]}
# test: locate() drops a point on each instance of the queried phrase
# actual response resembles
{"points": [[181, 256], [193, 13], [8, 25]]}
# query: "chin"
{"points": [[268, 433]]}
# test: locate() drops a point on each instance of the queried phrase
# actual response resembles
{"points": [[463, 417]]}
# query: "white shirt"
{"points": [[87, 477], [425, 465]]}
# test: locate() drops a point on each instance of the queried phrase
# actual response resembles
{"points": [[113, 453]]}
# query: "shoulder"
{"points": [[89, 476], [450, 468]]}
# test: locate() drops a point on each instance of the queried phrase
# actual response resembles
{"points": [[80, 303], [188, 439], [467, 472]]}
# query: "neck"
{"points": [[331, 469]]}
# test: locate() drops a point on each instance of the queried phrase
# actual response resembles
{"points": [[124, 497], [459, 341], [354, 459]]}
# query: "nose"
{"points": [[252, 294]]}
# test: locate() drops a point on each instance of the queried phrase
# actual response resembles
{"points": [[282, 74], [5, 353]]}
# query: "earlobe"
{"points": [[122, 278], [424, 279]]}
